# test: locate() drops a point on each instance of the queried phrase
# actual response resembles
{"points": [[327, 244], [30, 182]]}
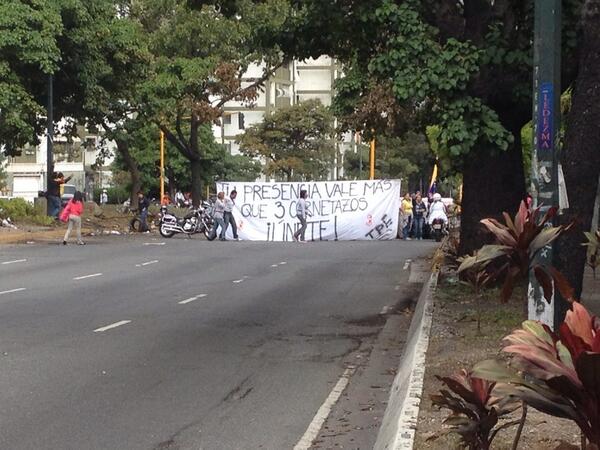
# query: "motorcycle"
{"points": [[437, 229], [196, 221]]}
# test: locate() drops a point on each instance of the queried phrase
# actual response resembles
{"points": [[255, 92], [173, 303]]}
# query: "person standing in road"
{"points": [[72, 215], [104, 197], [53, 194], [143, 205], [419, 213], [407, 211], [218, 212], [301, 213], [228, 218]]}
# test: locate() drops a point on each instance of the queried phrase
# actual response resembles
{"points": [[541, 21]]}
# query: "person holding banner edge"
{"points": [[301, 213]]}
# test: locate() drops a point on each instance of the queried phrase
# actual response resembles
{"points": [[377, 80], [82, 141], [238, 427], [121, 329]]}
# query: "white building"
{"points": [[291, 84], [26, 174]]}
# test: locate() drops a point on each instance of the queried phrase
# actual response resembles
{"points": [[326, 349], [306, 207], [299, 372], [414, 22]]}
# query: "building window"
{"points": [[241, 123], [227, 119]]}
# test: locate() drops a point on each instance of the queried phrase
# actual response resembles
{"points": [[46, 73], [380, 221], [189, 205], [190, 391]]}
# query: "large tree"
{"points": [[465, 66], [200, 56], [28, 54], [581, 154], [295, 143]]}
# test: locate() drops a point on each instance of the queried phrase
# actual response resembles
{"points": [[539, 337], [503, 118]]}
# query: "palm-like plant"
{"points": [[476, 411], [556, 373], [518, 242]]}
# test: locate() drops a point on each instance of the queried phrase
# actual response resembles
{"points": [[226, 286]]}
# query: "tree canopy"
{"points": [[295, 143]]}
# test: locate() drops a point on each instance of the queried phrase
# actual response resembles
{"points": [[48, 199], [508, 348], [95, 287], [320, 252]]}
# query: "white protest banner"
{"points": [[338, 210]]}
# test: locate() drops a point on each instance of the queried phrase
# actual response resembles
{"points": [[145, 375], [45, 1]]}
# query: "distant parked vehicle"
{"points": [[68, 193]]}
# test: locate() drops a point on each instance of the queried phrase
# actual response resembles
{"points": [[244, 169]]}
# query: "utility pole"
{"points": [[162, 166], [372, 160], [546, 120], [49, 139]]}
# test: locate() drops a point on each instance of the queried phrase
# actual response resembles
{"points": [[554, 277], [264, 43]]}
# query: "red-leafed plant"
{"points": [[518, 242], [476, 411], [556, 373]]}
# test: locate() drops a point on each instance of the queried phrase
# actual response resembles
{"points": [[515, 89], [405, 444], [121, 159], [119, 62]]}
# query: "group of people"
{"points": [[223, 215], [415, 212]]}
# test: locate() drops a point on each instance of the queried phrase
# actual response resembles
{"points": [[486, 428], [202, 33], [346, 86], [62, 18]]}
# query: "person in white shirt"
{"points": [[437, 210], [228, 214], [218, 211], [301, 213], [104, 197], [179, 199]]}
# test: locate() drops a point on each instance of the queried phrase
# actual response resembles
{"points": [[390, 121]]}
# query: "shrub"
{"points": [[16, 208], [555, 373]]}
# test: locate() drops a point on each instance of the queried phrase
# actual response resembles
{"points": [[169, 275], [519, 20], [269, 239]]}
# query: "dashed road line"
{"points": [[112, 325], [154, 243], [14, 262], [12, 290], [274, 265], [283, 263], [88, 276], [238, 281], [147, 263], [313, 429], [191, 299]]}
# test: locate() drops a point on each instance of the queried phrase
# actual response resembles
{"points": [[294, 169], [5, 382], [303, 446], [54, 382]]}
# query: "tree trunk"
{"points": [[492, 183], [196, 166], [134, 171], [581, 155]]}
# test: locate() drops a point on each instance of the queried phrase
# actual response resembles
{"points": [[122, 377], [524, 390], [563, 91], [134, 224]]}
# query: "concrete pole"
{"points": [[546, 119]]}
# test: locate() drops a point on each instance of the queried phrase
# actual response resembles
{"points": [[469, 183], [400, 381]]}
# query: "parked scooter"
{"points": [[196, 221]]}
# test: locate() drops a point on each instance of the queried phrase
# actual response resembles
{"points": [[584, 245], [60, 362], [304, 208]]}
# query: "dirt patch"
{"points": [[95, 221], [455, 344]]}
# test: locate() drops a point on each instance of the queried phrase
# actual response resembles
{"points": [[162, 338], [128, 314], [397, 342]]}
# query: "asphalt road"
{"points": [[125, 344]]}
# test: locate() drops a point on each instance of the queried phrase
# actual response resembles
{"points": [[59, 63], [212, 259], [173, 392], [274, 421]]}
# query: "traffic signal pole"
{"points": [[546, 120]]}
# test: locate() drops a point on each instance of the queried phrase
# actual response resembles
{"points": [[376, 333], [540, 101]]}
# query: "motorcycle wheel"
{"points": [[209, 235], [135, 224], [165, 233]]}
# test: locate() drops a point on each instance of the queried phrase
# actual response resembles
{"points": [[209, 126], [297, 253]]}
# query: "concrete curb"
{"points": [[400, 420]]}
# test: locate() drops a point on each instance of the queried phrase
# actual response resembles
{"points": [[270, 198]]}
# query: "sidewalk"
{"points": [[590, 295]]}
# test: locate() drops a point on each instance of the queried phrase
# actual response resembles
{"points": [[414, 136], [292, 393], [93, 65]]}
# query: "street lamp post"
{"points": [[546, 120], [49, 139]]}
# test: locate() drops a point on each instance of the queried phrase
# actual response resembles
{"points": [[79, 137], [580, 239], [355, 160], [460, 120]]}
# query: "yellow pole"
{"points": [[372, 160], [162, 166]]}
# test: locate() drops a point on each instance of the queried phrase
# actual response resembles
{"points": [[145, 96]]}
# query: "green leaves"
{"points": [[558, 374], [296, 143]]}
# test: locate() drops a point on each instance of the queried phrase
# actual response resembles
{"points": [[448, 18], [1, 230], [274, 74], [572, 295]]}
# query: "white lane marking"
{"points": [[283, 263], [313, 429], [88, 276], [14, 262], [191, 299], [12, 290], [154, 261], [112, 325], [397, 287], [239, 281], [274, 265], [154, 243], [406, 264], [385, 310]]}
